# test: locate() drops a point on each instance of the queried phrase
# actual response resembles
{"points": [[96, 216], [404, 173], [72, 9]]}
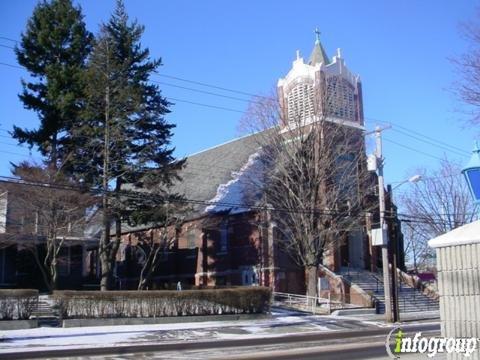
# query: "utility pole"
{"points": [[381, 199], [394, 256]]}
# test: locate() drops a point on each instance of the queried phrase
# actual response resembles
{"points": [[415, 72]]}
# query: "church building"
{"points": [[224, 243]]}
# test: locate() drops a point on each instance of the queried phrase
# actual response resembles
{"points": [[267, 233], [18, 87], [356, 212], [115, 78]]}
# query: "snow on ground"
{"points": [[282, 324]]}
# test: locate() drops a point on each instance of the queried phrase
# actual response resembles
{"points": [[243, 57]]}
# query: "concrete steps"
{"points": [[409, 299], [46, 313]]}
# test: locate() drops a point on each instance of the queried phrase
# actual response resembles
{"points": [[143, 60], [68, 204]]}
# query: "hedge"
{"points": [[158, 303], [17, 304]]}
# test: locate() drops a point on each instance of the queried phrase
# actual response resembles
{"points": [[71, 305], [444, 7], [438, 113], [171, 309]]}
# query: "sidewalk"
{"points": [[404, 317], [282, 323]]}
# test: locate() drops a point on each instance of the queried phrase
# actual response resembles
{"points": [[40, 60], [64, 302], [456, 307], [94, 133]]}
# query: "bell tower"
{"points": [[320, 88]]}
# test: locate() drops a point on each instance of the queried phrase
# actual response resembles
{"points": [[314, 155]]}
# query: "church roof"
{"points": [[219, 175], [210, 174], [318, 53]]}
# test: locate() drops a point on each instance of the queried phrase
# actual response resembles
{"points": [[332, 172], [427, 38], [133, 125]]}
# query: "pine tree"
{"points": [[53, 49], [125, 138]]}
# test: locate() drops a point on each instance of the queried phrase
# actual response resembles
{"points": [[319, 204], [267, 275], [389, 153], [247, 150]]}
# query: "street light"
{"points": [[413, 179], [472, 174]]}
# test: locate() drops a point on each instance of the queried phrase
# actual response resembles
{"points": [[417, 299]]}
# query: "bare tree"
{"points": [[46, 207], [416, 247], [313, 177], [157, 242], [468, 66], [436, 205]]}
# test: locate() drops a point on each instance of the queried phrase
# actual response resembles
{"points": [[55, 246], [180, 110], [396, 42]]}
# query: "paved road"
{"points": [[354, 344], [374, 348]]}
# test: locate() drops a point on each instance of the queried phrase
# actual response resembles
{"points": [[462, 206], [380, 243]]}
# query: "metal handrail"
{"points": [[310, 301]]}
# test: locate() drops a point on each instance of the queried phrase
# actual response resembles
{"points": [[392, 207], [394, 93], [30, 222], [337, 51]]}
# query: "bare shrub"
{"points": [[17, 304], [134, 304]]}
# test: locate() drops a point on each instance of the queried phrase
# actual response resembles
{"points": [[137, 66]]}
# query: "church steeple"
{"points": [[318, 53], [302, 90]]}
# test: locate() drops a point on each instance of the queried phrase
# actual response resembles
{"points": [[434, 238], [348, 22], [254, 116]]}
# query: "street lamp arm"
{"points": [[414, 179]]}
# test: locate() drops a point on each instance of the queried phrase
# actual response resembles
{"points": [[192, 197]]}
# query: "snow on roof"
{"points": [[463, 235], [237, 190]]}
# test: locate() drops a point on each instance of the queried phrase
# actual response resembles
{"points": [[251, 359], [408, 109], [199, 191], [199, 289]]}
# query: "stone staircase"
{"points": [[45, 313], [409, 298]]}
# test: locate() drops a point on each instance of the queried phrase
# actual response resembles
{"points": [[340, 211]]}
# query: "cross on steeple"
{"points": [[317, 34], [318, 53]]}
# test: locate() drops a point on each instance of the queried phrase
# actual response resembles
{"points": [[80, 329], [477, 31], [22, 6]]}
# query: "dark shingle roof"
{"points": [[205, 171]]}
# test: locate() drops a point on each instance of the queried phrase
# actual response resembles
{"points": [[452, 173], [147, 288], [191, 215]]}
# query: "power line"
{"points": [[214, 166], [168, 98], [8, 47], [13, 153], [203, 91], [8, 144], [457, 152], [139, 195], [438, 215], [434, 218], [243, 112], [413, 149], [188, 169], [149, 196], [266, 97], [12, 66], [213, 86], [9, 39], [206, 105], [418, 134], [432, 141]]}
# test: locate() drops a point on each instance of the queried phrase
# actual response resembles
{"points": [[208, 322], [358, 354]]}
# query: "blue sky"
{"points": [[401, 50]]}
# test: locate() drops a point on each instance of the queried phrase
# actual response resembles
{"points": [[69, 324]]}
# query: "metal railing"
{"points": [[313, 304], [409, 297], [364, 277], [415, 298]]}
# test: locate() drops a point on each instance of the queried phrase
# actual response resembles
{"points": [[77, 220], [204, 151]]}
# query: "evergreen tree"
{"points": [[53, 49], [124, 137]]}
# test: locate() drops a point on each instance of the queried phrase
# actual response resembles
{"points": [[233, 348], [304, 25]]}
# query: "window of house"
{"points": [[191, 238], [323, 284], [249, 275], [64, 261], [37, 218], [3, 212], [2, 266], [8, 266], [92, 263], [140, 255], [223, 245]]}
